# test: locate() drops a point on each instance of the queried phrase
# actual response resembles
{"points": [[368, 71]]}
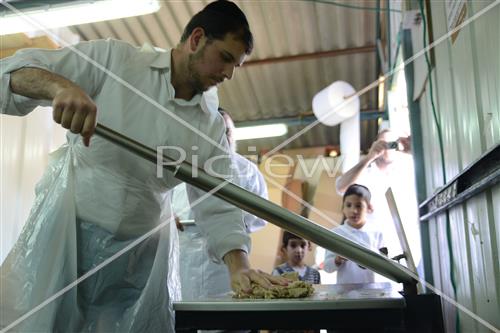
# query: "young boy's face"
{"points": [[355, 209], [296, 251]]}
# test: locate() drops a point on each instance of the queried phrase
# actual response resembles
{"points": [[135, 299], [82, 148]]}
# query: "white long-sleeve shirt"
{"points": [[200, 277], [349, 271], [129, 86], [248, 176], [109, 190]]}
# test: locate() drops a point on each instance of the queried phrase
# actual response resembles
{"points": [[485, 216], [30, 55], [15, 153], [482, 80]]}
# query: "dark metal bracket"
{"points": [[477, 177]]}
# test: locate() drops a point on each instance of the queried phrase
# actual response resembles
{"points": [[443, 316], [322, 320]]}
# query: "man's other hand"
{"points": [[241, 281], [242, 275]]}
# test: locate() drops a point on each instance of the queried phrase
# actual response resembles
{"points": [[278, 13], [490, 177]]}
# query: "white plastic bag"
{"points": [[133, 293]]}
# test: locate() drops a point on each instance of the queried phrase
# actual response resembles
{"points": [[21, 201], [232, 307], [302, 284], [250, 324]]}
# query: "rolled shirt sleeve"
{"points": [[221, 222], [14, 104], [90, 65], [261, 189], [250, 178], [86, 64]]}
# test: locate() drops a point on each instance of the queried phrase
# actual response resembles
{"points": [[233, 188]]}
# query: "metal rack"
{"points": [[477, 177]]}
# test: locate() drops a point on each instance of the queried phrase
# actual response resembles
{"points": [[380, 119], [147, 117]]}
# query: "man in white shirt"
{"points": [[385, 167], [95, 201], [200, 276]]}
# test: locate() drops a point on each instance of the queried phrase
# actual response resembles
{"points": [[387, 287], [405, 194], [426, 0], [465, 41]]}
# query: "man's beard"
{"points": [[194, 77]]}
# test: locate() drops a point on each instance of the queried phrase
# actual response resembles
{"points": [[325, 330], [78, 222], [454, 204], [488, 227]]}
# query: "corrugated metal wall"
{"points": [[467, 97], [280, 88]]}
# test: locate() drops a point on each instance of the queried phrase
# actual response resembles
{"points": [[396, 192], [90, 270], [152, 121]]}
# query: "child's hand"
{"points": [[339, 260]]}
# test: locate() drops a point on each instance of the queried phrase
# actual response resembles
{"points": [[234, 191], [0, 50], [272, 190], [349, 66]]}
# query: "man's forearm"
{"points": [[38, 83], [351, 176], [72, 107], [236, 260]]}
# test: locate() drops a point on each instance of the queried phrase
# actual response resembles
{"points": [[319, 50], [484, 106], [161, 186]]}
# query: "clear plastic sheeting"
{"points": [[201, 277], [65, 238]]}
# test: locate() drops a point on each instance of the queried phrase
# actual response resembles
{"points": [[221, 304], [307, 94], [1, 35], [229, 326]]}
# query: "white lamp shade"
{"points": [[350, 142], [335, 103]]}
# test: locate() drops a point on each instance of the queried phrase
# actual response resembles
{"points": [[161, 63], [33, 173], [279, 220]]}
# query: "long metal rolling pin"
{"points": [[268, 211]]}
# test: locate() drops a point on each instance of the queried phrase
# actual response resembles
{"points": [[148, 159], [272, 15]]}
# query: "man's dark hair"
{"points": [[361, 191], [287, 235], [219, 18]]}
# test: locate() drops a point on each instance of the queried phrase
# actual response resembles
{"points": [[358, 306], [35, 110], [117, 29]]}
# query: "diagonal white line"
{"points": [[107, 261], [375, 84], [460, 307], [148, 99], [390, 73], [369, 87], [142, 238], [413, 274], [307, 204]]}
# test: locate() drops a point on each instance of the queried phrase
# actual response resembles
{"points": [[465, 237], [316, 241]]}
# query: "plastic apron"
{"points": [[200, 276], [65, 238]]}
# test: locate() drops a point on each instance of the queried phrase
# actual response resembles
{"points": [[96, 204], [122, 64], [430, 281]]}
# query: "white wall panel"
{"points": [[444, 275], [463, 268], [467, 132], [25, 144], [487, 43], [466, 94], [445, 101], [495, 194], [436, 258], [434, 175], [484, 279]]}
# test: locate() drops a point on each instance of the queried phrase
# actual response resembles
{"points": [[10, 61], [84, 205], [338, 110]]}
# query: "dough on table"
{"points": [[295, 289]]}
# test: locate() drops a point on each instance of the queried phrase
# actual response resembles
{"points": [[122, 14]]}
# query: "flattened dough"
{"points": [[296, 289]]}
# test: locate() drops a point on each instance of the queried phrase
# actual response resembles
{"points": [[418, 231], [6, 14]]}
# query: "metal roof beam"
{"points": [[305, 120], [314, 55]]}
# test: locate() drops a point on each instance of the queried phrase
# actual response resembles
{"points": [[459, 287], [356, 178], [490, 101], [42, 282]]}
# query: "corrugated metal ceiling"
{"points": [[281, 28]]}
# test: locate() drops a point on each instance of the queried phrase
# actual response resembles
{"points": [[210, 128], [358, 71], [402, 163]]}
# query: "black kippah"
{"points": [[359, 190]]}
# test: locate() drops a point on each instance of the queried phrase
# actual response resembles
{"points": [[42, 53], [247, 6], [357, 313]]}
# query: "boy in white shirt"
{"points": [[355, 207]]}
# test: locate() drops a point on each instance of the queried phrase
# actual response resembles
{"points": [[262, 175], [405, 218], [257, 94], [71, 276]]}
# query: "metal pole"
{"points": [[268, 211], [417, 147]]}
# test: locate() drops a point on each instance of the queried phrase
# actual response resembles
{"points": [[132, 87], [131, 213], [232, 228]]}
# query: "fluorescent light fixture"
{"points": [[262, 131], [70, 13]]}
